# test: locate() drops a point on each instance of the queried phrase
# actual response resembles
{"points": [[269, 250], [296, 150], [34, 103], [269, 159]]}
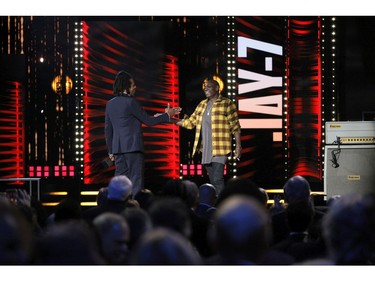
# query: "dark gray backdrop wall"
{"points": [[356, 67]]}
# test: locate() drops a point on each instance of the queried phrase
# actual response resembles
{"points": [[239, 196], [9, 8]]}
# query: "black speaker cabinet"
{"points": [[349, 169]]}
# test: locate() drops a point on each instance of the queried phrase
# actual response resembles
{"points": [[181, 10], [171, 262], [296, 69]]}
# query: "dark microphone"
{"points": [[107, 162]]}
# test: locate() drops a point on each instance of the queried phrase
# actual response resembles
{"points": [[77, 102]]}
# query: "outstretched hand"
{"points": [[173, 111]]}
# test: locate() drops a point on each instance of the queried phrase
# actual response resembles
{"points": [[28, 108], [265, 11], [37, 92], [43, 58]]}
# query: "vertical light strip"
{"points": [[320, 97], [9, 38], [78, 69], [323, 41], [323, 59], [328, 49], [231, 78], [333, 58], [286, 101], [22, 35]]}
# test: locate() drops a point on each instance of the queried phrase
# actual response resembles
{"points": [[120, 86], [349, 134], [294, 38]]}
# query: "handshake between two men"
{"points": [[172, 111]]}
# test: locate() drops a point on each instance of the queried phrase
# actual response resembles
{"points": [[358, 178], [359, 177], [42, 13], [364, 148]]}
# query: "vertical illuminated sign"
{"points": [[266, 104], [260, 84]]}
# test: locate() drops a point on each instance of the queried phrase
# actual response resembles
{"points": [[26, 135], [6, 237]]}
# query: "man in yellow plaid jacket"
{"points": [[215, 120]]}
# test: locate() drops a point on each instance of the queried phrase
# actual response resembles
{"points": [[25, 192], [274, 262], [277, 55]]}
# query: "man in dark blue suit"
{"points": [[123, 129]]}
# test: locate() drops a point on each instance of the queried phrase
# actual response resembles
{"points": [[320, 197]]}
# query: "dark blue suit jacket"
{"points": [[123, 124]]}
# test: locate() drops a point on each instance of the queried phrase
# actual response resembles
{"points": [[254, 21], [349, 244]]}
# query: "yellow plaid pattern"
{"points": [[224, 124]]}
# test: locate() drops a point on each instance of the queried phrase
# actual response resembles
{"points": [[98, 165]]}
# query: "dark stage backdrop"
{"points": [[280, 70], [279, 92], [136, 47]]}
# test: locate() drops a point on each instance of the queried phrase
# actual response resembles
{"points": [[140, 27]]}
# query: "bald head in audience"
{"points": [[296, 189]]}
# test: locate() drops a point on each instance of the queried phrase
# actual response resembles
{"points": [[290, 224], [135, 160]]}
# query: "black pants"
{"points": [[132, 166]]}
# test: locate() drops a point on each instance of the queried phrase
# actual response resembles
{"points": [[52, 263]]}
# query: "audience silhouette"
{"points": [[102, 195], [348, 229], [241, 186], [16, 236], [183, 224], [70, 242], [67, 209], [164, 246], [299, 216], [139, 222], [206, 201], [171, 212], [114, 235], [192, 193], [296, 189], [144, 197], [242, 232]]}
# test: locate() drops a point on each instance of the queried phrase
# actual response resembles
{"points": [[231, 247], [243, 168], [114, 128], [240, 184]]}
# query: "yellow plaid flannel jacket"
{"points": [[224, 124]]}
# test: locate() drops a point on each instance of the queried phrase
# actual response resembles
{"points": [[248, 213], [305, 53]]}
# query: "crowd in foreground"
{"points": [[186, 224]]}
